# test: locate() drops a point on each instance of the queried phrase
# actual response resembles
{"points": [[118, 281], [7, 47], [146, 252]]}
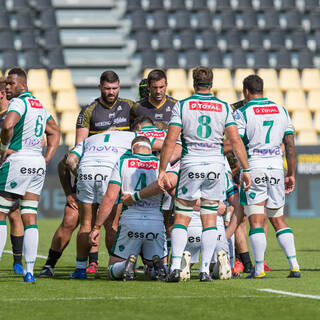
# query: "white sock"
{"points": [[116, 270], [179, 240], [286, 241], [3, 236], [30, 243], [81, 263], [208, 245], [258, 243], [231, 251]]}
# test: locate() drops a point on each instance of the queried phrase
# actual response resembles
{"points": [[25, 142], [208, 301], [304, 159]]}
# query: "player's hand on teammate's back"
{"points": [[5, 154], [127, 199], [289, 183], [245, 181], [94, 237], [72, 201], [164, 182]]}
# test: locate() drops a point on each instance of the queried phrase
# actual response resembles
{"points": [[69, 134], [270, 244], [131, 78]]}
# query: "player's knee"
{"points": [[208, 207], [5, 205], [29, 206]]}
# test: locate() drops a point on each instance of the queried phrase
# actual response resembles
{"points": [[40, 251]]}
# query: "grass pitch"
{"points": [[97, 298]]}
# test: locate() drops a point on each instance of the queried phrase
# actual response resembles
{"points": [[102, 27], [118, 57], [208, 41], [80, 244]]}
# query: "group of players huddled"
{"points": [[156, 174]]}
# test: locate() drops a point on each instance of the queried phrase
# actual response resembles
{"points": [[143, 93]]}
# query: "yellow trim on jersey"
{"points": [[157, 107], [106, 105], [120, 128]]}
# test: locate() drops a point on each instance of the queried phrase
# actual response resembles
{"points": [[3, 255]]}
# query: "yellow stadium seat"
{"points": [[70, 139], [146, 72], [68, 121], [274, 95], [270, 78], [307, 137], [38, 79], [314, 100], [295, 100], [310, 79], [221, 79], [301, 120], [289, 79], [181, 94], [66, 100], [316, 121], [177, 79], [61, 79], [44, 96], [239, 76], [229, 96]]}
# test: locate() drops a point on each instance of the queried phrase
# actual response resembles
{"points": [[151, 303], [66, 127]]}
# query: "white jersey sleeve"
{"points": [[18, 106], [115, 175], [78, 150], [176, 115], [240, 123], [229, 119]]}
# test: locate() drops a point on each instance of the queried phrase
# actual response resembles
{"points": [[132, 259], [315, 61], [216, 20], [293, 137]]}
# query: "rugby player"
{"points": [[263, 126], [157, 106], [23, 171], [141, 225], [16, 225], [202, 120]]}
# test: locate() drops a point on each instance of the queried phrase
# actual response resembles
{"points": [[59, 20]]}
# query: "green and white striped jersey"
{"points": [[133, 173], [28, 132], [103, 149], [203, 119], [262, 125]]}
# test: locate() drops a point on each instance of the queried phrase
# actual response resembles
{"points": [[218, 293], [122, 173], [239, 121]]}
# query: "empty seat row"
{"points": [[225, 20]]}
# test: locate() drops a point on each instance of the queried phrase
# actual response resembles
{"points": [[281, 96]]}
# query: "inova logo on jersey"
{"points": [[205, 106]]}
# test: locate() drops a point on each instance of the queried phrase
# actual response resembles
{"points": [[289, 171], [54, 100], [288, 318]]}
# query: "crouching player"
{"points": [[141, 227]]}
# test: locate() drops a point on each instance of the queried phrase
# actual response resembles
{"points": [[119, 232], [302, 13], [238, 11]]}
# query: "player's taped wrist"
{"points": [[246, 170], [4, 147], [136, 196]]}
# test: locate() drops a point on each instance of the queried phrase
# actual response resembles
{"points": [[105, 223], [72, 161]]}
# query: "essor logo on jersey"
{"points": [[149, 165], [35, 104], [205, 106], [153, 134], [266, 110]]}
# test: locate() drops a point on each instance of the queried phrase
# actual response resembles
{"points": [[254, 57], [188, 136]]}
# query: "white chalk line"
{"points": [[38, 256], [292, 294]]}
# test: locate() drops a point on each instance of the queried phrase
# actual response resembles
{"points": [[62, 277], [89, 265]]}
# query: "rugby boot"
{"points": [[238, 266], [18, 268], [294, 273], [252, 275], [28, 277], [129, 269], [79, 274], [174, 276], [46, 272], [185, 266], [92, 268], [224, 266], [159, 269], [204, 277], [266, 267]]}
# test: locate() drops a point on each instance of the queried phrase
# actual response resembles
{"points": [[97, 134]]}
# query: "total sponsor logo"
{"points": [[266, 152], [35, 104], [205, 106], [153, 134], [148, 165], [266, 110]]}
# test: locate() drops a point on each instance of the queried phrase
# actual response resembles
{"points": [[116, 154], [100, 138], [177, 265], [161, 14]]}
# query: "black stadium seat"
{"points": [[261, 59], [177, 5], [51, 38], [6, 40], [182, 19], [9, 59], [243, 5], [192, 58], [138, 20], [160, 20], [277, 38], [305, 59], [171, 59], [215, 59], [132, 5], [204, 18], [255, 39], [199, 5], [283, 59], [248, 20], [293, 19], [148, 59], [271, 20], [209, 39], [28, 40], [155, 5], [32, 59], [165, 39], [187, 38], [47, 19], [222, 5], [143, 38], [299, 39], [233, 38], [56, 59], [239, 59], [24, 19]]}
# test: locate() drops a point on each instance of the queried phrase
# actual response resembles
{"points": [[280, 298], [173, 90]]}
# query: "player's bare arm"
{"points": [[52, 132], [290, 149], [240, 152], [81, 134], [72, 163], [104, 210], [166, 154]]}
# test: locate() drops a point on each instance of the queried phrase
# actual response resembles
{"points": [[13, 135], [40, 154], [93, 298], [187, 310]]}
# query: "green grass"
{"points": [[97, 298]]}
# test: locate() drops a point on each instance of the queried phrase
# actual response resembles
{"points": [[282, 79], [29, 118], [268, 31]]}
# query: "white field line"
{"points": [[292, 294], [118, 298], [38, 256]]}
